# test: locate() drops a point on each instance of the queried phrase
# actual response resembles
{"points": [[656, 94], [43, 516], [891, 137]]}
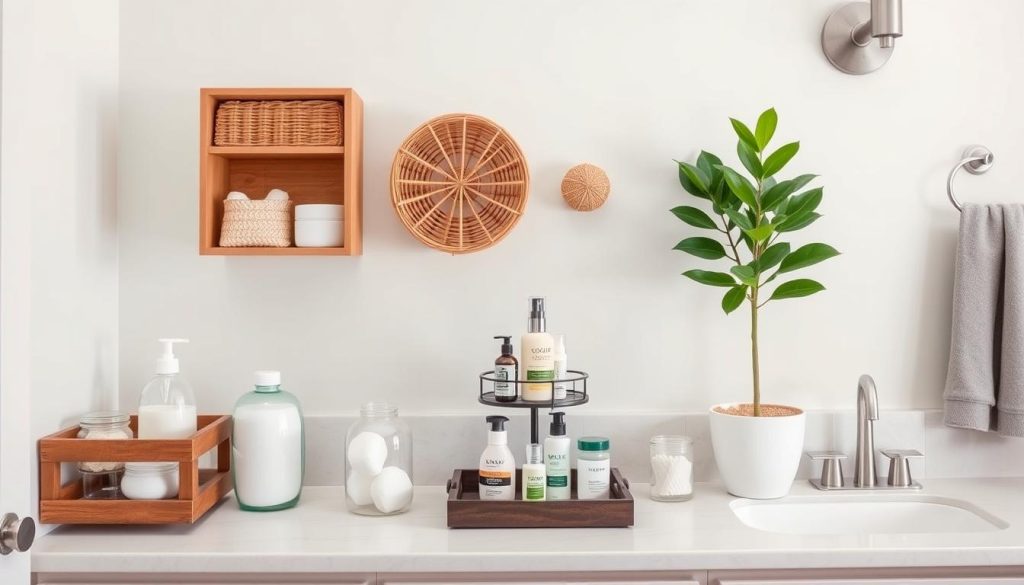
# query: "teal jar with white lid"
{"points": [[593, 468]]}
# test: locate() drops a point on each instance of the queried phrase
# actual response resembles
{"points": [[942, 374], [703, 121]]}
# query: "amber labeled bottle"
{"points": [[506, 367]]}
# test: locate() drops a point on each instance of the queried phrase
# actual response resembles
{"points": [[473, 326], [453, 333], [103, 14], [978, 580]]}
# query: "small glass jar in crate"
{"points": [[101, 480], [671, 468], [378, 462]]}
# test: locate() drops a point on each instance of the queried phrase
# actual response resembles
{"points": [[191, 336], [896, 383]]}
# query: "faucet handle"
{"points": [[831, 467], [899, 466]]}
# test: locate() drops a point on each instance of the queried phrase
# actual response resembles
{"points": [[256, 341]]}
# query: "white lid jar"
{"points": [[150, 481]]}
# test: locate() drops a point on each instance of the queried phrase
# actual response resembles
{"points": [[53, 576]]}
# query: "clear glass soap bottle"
{"points": [[167, 407], [268, 456]]}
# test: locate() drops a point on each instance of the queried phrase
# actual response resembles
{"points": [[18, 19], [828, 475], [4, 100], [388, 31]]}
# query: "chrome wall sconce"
{"points": [[848, 37]]}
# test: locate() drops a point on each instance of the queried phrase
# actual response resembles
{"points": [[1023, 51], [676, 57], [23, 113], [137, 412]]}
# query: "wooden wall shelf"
{"points": [[310, 174]]}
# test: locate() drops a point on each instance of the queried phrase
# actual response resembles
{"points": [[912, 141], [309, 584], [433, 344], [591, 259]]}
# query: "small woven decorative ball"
{"points": [[585, 187]]}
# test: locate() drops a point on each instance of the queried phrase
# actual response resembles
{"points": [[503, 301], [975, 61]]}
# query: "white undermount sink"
{"points": [[865, 514]]}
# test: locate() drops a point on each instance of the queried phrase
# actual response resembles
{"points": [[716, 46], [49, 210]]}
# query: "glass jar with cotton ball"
{"points": [[671, 468], [378, 462]]}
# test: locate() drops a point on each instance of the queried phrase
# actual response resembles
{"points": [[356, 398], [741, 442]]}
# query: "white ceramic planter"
{"points": [[757, 457]]}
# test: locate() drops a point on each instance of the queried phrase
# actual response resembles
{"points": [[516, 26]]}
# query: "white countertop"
{"points": [[321, 536]]}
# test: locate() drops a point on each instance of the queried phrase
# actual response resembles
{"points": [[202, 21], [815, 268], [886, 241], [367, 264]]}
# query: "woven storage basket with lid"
{"points": [[459, 183], [259, 223], [278, 123]]}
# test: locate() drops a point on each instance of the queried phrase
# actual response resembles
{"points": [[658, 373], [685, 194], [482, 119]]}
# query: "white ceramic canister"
{"points": [[319, 225], [150, 481]]}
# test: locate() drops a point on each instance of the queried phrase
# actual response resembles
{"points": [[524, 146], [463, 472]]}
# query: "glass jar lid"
{"points": [[671, 440], [593, 443], [379, 409], [104, 417]]}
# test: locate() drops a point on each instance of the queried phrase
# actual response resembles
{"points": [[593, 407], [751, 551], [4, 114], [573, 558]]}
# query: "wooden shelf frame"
{"points": [[311, 174]]}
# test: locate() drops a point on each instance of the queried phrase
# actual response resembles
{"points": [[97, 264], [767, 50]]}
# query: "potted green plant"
{"points": [[757, 446]]}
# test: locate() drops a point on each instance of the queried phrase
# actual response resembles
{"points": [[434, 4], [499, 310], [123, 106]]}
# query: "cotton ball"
{"points": [[391, 490], [367, 453], [277, 195], [237, 196], [357, 486]]}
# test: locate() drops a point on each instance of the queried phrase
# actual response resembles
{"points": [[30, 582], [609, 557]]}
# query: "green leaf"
{"points": [[745, 134], [733, 298], [796, 288], [702, 248], [708, 163], [805, 202], [778, 193], [740, 187], [797, 222], [746, 274], [749, 158], [693, 180], [765, 129], [806, 256], [772, 256], [694, 217], [761, 232], [740, 219], [710, 278], [779, 158]]}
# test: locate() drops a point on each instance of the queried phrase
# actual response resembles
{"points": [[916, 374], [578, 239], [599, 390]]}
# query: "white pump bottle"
{"points": [[167, 407]]}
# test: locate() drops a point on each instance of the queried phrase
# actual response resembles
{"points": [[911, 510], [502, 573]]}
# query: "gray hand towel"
{"points": [[985, 381]]}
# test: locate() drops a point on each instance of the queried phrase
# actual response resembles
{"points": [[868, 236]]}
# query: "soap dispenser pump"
{"points": [[497, 464], [167, 407]]}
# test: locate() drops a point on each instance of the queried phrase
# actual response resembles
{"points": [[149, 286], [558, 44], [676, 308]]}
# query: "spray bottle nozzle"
{"points": [[558, 424], [497, 423], [167, 363], [506, 344]]}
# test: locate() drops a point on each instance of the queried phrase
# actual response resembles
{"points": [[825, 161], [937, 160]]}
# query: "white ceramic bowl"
{"points": [[319, 233], [319, 211]]}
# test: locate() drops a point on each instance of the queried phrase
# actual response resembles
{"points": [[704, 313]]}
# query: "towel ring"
{"points": [[976, 160]]}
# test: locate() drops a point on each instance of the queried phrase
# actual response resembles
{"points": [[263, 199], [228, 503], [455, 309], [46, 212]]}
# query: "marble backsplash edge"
{"points": [[444, 442]]}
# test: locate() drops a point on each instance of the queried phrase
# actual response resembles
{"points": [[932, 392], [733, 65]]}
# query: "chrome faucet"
{"points": [[864, 474]]}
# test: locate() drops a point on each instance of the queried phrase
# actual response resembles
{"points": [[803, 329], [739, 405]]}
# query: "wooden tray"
{"points": [[200, 489], [465, 510]]}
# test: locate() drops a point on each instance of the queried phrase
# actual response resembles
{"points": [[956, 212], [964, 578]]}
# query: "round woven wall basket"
{"points": [[459, 183]]}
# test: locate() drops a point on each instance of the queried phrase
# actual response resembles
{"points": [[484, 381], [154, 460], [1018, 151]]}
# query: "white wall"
{"points": [[627, 85], [59, 132]]}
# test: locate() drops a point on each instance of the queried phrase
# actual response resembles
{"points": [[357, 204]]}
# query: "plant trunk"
{"points": [[754, 361]]}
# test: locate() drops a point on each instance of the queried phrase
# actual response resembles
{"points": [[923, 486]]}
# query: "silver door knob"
{"points": [[16, 534]]}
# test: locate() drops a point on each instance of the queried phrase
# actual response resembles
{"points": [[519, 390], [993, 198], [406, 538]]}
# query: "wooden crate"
{"points": [[466, 510], [199, 490], [310, 174]]}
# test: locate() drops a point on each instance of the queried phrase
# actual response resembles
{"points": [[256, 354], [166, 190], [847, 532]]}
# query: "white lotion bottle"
{"points": [[561, 364], [497, 464], [557, 448], [538, 352], [534, 476], [167, 407]]}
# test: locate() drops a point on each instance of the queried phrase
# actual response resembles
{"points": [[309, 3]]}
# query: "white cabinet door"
{"points": [[900, 581], [203, 579], [616, 578], [15, 292]]}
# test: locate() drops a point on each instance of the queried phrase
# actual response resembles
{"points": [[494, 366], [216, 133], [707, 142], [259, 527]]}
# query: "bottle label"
{"points": [[558, 481], [592, 479], [561, 373], [490, 478], [540, 375], [535, 491], [504, 389]]}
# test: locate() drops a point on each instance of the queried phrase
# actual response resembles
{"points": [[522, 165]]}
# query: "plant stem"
{"points": [[755, 363]]}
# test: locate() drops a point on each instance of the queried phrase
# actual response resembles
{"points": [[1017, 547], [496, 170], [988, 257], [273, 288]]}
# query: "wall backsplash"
{"points": [[443, 443], [626, 86]]}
